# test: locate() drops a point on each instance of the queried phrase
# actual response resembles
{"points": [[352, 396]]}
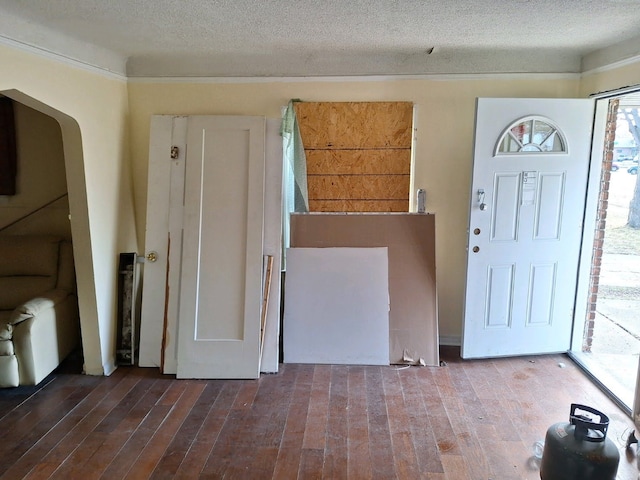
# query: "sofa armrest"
{"points": [[37, 305], [45, 331], [31, 309]]}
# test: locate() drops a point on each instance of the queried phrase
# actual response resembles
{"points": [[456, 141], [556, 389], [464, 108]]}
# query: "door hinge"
{"points": [[174, 152]]}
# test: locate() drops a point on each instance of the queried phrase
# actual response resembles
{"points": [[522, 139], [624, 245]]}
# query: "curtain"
{"points": [[8, 154], [295, 195], [295, 159]]}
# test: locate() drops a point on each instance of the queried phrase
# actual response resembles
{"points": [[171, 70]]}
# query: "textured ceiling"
{"points": [[327, 37]]}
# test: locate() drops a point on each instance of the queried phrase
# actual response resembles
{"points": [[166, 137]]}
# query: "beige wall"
{"points": [[610, 79], [92, 112], [41, 178], [443, 154]]}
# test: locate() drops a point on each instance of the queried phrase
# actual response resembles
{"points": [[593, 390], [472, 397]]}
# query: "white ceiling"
{"points": [[155, 38]]}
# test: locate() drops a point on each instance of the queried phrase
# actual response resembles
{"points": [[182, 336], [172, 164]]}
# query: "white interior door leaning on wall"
{"points": [[206, 234]]}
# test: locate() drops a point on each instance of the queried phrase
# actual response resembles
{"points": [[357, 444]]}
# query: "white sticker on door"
{"points": [[529, 185]]}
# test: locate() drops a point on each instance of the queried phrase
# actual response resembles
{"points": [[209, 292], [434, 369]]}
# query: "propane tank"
{"points": [[580, 449]]}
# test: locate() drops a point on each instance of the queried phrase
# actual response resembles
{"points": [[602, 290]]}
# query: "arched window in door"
{"points": [[533, 134]]}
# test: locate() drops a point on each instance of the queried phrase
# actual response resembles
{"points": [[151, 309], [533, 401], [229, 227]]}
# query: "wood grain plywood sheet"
{"points": [[363, 162], [357, 151], [363, 125], [358, 187], [359, 205], [410, 239]]}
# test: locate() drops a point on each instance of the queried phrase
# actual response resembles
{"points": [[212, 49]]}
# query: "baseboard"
{"points": [[450, 340]]}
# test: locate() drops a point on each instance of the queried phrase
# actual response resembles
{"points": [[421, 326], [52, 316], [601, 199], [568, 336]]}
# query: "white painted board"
{"points": [[272, 241], [337, 306]]}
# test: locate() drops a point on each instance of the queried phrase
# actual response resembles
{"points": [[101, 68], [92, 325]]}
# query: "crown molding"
{"points": [[612, 66], [359, 78], [57, 57]]}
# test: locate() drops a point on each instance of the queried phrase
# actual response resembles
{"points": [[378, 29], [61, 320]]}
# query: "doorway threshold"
{"points": [[608, 372]]}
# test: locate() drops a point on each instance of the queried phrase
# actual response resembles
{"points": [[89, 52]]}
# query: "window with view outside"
{"points": [[531, 134]]}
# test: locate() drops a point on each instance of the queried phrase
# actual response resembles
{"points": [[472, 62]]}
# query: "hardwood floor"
{"points": [[467, 420]]}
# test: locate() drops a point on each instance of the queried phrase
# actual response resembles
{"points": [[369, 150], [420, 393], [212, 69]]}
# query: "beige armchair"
{"points": [[39, 321]]}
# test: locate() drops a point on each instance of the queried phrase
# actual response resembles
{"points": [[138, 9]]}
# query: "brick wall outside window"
{"points": [[601, 221]]}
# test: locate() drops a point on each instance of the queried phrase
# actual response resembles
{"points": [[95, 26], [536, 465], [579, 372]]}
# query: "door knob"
{"points": [[152, 256]]}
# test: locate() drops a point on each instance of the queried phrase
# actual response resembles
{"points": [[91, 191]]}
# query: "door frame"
{"points": [[589, 231], [580, 309]]}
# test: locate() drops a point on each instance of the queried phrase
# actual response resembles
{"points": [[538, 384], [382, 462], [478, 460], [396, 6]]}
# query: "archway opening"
{"points": [[77, 217]]}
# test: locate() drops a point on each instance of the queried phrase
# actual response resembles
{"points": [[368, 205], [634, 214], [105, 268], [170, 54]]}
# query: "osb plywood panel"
{"points": [[335, 162], [358, 187], [359, 205], [364, 125], [357, 151], [410, 238]]}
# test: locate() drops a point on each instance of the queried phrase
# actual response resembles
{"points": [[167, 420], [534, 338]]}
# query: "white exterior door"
{"points": [[530, 171], [202, 287]]}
